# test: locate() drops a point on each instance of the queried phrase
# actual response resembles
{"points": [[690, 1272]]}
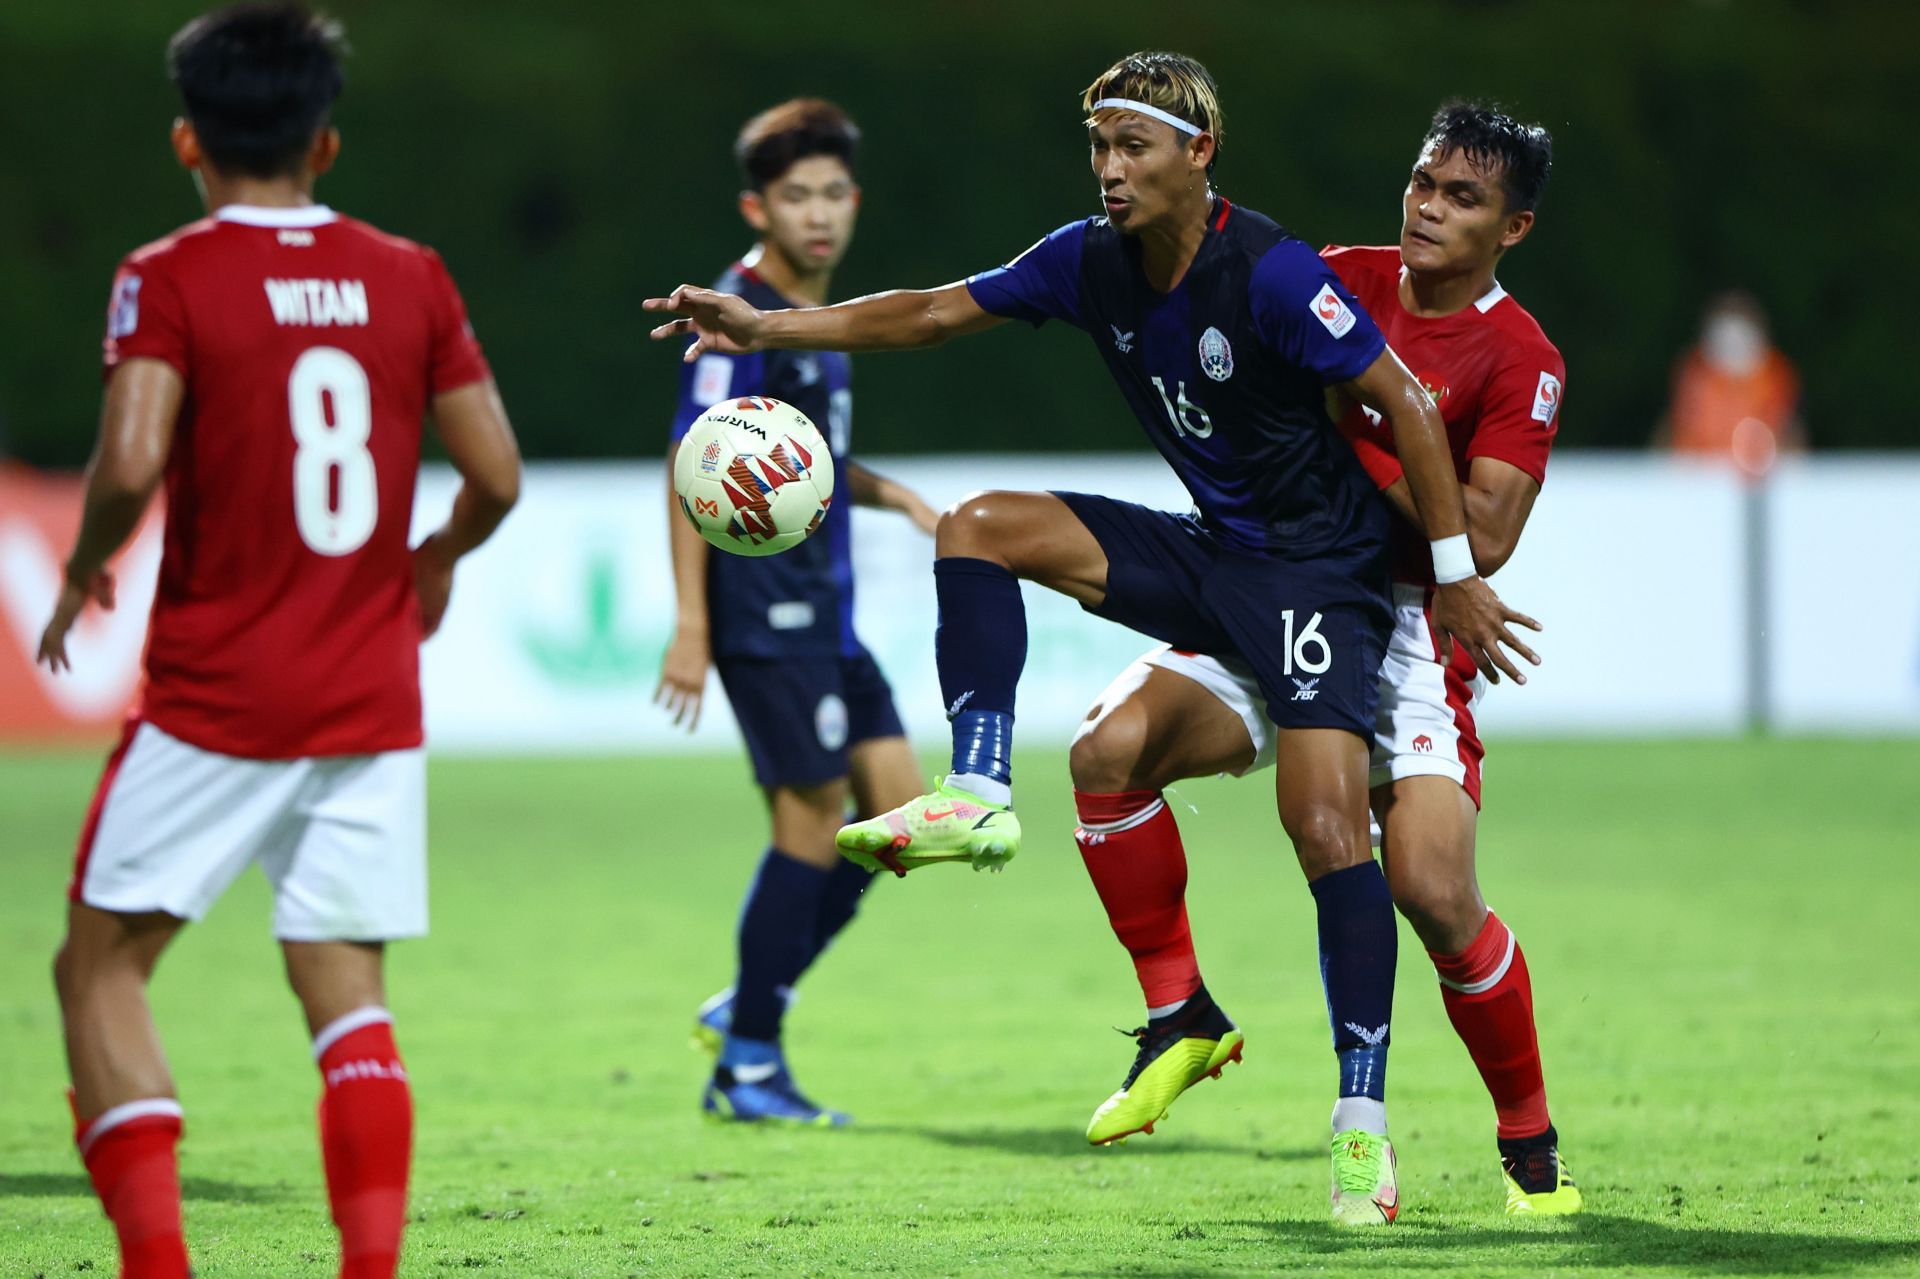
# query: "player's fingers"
{"points": [[1502, 662], [670, 328], [1512, 641], [695, 700], [694, 349], [1516, 616]]}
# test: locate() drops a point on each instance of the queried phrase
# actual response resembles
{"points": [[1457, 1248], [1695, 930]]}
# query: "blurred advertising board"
{"points": [[1638, 566]]}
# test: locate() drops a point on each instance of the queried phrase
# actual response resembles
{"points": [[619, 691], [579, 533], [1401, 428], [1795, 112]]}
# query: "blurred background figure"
{"points": [[1735, 396]]}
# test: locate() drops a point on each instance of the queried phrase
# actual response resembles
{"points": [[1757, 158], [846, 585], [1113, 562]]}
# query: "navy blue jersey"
{"points": [[1227, 373], [798, 603]]}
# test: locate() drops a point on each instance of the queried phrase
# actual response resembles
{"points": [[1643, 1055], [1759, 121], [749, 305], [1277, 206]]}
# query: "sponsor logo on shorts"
{"points": [[830, 722], [1304, 690], [1122, 342], [1331, 310], [1423, 743], [1216, 355]]}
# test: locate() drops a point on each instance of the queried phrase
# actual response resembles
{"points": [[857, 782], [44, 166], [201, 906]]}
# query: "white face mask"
{"points": [[1733, 343]]}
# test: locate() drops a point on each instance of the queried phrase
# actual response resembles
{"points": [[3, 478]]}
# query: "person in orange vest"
{"points": [[1735, 396]]}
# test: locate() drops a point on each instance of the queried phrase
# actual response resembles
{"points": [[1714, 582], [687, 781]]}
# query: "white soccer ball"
{"points": [[754, 476]]}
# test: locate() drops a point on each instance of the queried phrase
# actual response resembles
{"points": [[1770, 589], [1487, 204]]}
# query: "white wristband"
{"points": [[1452, 559]]}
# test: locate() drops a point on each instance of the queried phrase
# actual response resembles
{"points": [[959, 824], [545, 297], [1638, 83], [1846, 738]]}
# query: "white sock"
{"points": [[982, 788], [1161, 1010], [1363, 1113]]}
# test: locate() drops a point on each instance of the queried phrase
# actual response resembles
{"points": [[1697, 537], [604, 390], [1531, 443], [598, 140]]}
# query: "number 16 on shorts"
{"points": [[1307, 652]]}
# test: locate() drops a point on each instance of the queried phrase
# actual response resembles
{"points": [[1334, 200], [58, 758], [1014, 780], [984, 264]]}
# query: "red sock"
{"points": [[129, 1153], [1132, 849], [1490, 1002], [366, 1139]]}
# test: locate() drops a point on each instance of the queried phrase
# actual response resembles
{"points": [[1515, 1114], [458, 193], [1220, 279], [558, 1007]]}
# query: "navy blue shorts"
{"points": [[1314, 637], [800, 715]]}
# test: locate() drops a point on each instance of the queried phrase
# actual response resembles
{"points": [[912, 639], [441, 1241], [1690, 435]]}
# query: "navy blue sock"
{"points": [[980, 645], [778, 923], [1359, 944], [838, 903]]}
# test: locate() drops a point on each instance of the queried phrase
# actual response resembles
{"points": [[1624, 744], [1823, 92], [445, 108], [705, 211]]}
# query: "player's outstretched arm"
{"points": [[900, 320], [136, 435], [472, 423], [1465, 608], [683, 668], [870, 488]]}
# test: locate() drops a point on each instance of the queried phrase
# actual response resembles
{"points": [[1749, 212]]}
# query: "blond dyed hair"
{"points": [[1175, 83]]}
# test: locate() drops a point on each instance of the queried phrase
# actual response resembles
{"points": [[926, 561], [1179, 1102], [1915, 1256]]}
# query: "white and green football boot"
{"points": [[1364, 1190], [949, 825], [1196, 1043]]}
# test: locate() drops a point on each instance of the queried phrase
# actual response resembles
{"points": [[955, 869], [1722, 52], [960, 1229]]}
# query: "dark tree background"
{"points": [[568, 158]]}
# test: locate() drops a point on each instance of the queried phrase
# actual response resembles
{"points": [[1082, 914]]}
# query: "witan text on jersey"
{"points": [[318, 303]]}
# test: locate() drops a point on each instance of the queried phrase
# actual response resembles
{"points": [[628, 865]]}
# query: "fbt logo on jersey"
{"points": [[1546, 398], [1331, 310], [317, 303]]}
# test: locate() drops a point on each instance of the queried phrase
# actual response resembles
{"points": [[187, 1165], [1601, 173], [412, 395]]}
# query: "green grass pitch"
{"points": [[1722, 937]]}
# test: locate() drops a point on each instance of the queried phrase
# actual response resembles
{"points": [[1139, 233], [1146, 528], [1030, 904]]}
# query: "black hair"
{"points": [[782, 136], [258, 81], [1490, 137]]}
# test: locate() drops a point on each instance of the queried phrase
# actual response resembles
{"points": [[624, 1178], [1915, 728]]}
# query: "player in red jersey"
{"points": [[273, 363], [1497, 381]]}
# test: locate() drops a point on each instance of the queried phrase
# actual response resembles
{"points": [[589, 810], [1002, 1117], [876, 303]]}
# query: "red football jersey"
{"points": [[1496, 379], [284, 623]]}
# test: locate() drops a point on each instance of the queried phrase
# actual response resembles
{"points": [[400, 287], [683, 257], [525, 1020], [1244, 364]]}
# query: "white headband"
{"points": [[1165, 117]]}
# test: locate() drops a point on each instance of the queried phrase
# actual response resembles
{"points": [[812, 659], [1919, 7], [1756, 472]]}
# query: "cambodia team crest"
{"points": [[1216, 355]]}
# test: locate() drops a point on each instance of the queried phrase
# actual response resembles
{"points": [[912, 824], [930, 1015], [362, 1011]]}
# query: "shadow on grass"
{"points": [[1598, 1241], [49, 1185], [1064, 1143]]}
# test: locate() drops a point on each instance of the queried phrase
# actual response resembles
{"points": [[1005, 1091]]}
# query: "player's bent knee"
{"points": [[1106, 753], [1325, 841], [966, 526], [1446, 912]]}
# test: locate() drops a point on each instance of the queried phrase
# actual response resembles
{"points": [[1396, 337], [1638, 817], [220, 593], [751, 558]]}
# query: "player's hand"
{"points": [[1469, 613], [74, 597], [432, 583], [683, 676], [720, 322]]}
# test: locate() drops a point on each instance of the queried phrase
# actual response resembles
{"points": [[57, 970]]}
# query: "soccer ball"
{"points": [[754, 476]]}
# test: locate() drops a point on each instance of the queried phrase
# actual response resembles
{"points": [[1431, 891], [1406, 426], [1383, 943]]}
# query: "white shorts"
{"points": [[342, 839], [1424, 725]]}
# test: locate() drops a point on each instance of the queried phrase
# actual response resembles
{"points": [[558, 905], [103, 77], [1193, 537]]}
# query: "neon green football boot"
{"points": [[1539, 1183], [1364, 1190], [1196, 1043], [949, 825]]}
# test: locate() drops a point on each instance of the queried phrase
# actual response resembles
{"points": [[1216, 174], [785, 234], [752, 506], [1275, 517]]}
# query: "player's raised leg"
{"points": [[779, 936], [984, 547], [1150, 726], [127, 1121], [1321, 790], [366, 1104], [1427, 825]]}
